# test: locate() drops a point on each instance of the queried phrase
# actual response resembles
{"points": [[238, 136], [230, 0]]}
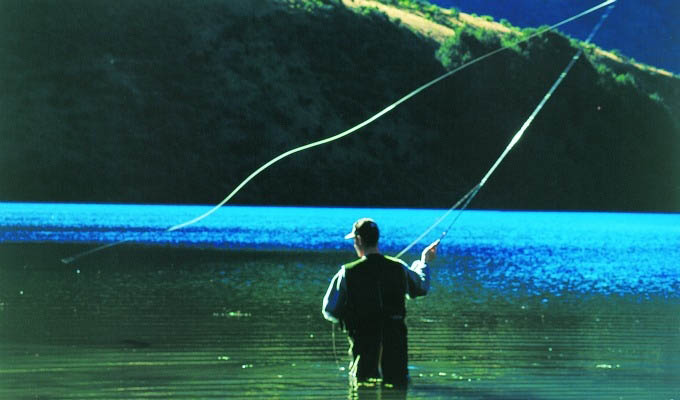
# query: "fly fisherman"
{"points": [[367, 297]]}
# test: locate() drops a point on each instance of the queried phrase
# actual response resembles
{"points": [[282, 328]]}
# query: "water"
{"points": [[524, 305], [544, 251]]}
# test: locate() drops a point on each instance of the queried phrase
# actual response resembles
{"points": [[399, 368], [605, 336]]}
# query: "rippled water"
{"points": [[545, 252], [523, 306]]}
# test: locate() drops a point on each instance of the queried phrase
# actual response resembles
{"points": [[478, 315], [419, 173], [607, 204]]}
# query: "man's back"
{"points": [[376, 290]]}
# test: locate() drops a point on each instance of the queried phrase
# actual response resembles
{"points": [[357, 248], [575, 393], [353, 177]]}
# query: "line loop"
{"points": [[467, 198], [352, 130]]}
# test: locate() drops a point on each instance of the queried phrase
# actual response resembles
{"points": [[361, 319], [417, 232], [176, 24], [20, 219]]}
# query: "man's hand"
{"points": [[430, 252]]}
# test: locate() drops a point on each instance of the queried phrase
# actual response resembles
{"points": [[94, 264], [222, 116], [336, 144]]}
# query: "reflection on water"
{"points": [[180, 323], [539, 252]]}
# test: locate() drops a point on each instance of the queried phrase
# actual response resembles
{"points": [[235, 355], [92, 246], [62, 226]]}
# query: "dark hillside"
{"points": [[178, 101]]}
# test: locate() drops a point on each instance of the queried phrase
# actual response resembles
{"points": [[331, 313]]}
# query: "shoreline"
{"points": [[48, 254]]}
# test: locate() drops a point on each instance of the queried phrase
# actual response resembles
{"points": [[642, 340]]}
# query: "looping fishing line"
{"points": [[348, 131], [467, 198]]}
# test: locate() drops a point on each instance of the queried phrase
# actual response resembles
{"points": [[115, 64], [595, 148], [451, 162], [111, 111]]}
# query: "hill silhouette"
{"points": [[643, 29], [178, 101]]}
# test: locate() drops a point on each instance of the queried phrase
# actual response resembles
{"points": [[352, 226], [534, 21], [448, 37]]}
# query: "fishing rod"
{"points": [[349, 131], [464, 201]]}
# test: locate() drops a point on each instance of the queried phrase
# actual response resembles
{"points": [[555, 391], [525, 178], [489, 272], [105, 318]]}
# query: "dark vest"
{"points": [[376, 289]]}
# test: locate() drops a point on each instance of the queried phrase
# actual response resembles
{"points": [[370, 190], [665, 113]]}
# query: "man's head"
{"points": [[365, 234]]}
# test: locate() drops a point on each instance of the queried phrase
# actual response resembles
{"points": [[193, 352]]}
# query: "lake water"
{"points": [[529, 305]]}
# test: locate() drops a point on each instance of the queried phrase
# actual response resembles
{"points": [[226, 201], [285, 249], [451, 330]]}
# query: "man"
{"points": [[367, 296]]}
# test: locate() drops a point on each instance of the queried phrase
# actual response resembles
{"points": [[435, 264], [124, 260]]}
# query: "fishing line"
{"points": [[68, 260], [467, 198], [335, 350], [350, 130]]}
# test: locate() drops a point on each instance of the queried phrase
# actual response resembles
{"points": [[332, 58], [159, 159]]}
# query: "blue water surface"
{"points": [[540, 251]]}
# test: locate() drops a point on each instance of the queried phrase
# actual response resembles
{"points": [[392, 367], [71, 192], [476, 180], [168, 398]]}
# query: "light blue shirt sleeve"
{"points": [[334, 302]]}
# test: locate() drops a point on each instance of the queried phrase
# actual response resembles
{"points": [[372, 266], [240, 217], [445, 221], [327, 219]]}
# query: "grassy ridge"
{"points": [[178, 101]]}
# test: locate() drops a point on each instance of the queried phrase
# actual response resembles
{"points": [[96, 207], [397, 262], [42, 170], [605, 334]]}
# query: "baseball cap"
{"points": [[366, 228]]}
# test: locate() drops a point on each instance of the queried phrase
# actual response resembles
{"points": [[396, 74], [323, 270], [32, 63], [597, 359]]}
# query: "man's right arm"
{"points": [[418, 276], [334, 301]]}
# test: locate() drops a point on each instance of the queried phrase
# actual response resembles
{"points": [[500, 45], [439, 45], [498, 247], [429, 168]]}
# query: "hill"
{"points": [[178, 101], [644, 29]]}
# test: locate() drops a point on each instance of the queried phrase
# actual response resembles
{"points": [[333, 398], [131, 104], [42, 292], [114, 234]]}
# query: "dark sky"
{"points": [[646, 30]]}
